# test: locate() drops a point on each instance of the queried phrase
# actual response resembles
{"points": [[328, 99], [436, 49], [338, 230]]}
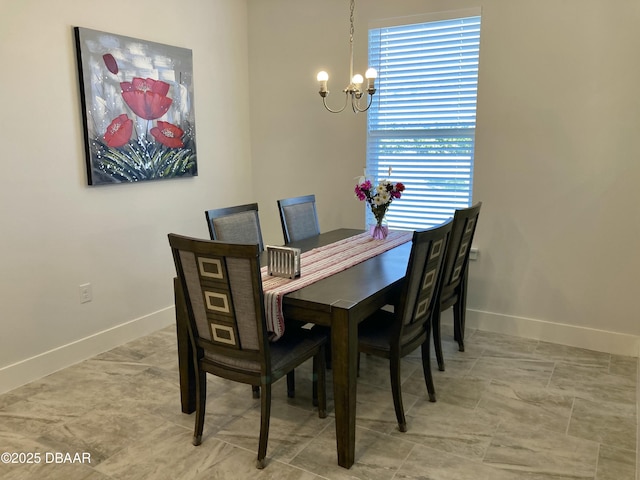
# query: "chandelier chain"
{"points": [[351, 30]]}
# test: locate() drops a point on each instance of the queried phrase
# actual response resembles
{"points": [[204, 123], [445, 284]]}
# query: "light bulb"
{"points": [[322, 78], [357, 79], [371, 75]]}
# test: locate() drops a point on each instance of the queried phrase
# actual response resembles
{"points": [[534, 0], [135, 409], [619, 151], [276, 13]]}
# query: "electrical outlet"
{"points": [[473, 253], [86, 295]]}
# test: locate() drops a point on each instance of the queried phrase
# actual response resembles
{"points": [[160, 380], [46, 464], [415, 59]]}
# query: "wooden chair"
{"points": [[238, 224], [227, 329], [394, 335], [241, 224], [453, 291], [299, 218]]}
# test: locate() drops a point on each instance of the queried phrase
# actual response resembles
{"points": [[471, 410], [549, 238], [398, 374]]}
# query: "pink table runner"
{"points": [[320, 263]]}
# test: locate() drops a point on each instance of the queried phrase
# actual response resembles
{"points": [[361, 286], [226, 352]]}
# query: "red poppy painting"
{"points": [[137, 105]]}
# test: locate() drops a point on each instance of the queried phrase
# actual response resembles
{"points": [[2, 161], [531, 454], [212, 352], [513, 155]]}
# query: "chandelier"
{"points": [[353, 91]]}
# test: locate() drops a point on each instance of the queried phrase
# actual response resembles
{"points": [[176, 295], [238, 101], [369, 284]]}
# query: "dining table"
{"points": [[340, 301]]}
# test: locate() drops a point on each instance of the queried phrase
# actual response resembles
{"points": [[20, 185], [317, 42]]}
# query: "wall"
{"points": [[57, 232], [556, 166]]}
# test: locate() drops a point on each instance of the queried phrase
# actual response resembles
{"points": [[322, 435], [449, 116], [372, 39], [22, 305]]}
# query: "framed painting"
{"points": [[137, 106]]}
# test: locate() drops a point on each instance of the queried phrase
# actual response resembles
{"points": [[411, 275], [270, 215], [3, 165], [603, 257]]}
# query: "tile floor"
{"points": [[508, 408]]}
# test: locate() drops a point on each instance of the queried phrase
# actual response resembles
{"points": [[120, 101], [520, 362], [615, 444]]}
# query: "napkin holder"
{"points": [[283, 261]]}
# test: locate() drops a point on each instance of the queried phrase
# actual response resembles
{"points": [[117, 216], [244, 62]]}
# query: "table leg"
{"points": [[185, 353], [344, 346]]}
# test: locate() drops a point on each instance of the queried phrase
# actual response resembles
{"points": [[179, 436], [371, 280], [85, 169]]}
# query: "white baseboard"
{"points": [[638, 423], [572, 335], [30, 369]]}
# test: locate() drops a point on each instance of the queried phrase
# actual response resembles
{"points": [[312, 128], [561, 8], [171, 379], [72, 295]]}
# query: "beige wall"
{"points": [[556, 163], [57, 232]]}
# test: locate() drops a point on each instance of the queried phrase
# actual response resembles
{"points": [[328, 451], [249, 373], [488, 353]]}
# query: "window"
{"points": [[422, 121]]}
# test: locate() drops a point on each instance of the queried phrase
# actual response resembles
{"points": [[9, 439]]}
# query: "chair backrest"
{"points": [[225, 304], [462, 231], [239, 224], [419, 293], [299, 218]]}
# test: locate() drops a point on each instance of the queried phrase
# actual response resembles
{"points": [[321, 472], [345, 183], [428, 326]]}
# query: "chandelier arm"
{"points": [[346, 100], [356, 105]]}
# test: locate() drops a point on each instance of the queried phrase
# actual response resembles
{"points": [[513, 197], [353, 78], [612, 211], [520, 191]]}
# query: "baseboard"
{"points": [[30, 369], [637, 422], [572, 335]]}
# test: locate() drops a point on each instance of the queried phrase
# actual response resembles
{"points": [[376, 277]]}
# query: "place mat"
{"points": [[320, 263]]}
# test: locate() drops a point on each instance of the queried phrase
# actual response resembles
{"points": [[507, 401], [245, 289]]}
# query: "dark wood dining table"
{"points": [[340, 301]]}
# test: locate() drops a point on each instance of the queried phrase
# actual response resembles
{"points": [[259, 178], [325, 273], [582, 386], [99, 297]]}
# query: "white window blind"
{"points": [[422, 121]]}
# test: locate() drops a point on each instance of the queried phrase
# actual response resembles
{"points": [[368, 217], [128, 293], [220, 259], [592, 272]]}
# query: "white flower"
{"points": [[382, 198], [382, 187]]}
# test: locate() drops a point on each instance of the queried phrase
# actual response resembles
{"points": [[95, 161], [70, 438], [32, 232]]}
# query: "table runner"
{"points": [[320, 263]]}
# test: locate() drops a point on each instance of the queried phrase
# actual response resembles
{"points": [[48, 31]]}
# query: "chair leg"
{"points": [[458, 329], [426, 364], [437, 338], [319, 383], [426, 370], [314, 382], [265, 416], [201, 402], [291, 384], [394, 368], [459, 312], [256, 391]]}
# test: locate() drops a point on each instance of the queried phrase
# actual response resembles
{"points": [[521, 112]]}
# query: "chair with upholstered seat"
{"points": [[239, 224], [453, 291], [227, 327], [393, 335], [299, 220], [298, 217]]}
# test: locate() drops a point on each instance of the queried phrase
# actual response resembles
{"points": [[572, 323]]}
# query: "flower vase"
{"points": [[379, 230]]}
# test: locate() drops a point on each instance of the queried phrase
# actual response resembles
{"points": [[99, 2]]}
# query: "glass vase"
{"points": [[379, 230]]}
